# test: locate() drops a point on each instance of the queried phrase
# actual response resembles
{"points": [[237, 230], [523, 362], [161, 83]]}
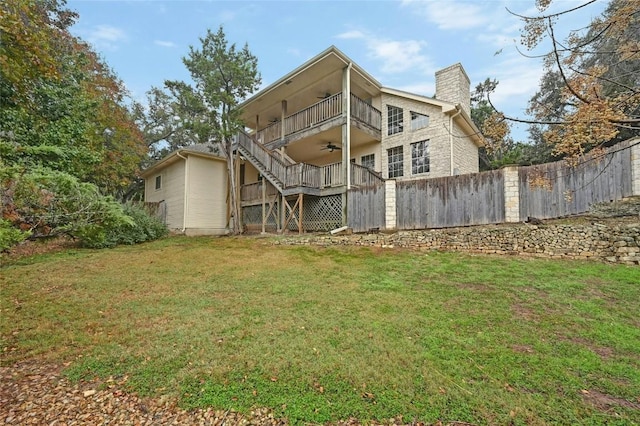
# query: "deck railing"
{"points": [[318, 113], [364, 112], [271, 133], [253, 191], [332, 175]]}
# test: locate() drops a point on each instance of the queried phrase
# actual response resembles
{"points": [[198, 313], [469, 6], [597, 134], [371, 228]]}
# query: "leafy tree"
{"points": [[500, 148], [208, 110], [69, 115], [31, 34], [591, 92], [66, 134]]}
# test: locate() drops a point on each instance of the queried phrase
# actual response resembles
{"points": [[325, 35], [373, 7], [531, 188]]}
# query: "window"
{"points": [[368, 161], [420, 157], [419, 121], [158, 182], [395, 162], [394, 120]]}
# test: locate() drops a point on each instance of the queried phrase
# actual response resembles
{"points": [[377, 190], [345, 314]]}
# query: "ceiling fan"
{"points": [[331, 147]]}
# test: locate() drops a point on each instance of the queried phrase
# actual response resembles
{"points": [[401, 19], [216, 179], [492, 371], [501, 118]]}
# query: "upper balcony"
{"points": [[321, 116]]}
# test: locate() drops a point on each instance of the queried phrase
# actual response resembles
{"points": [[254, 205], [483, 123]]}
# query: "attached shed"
{"points": [[190, 185]]}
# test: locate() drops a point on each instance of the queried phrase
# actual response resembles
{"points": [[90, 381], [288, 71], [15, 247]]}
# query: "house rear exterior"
{"points": [[329, 127]]}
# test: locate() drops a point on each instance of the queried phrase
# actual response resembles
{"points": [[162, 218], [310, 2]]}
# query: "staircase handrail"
{"points": [[270, 162], [364, 176]]}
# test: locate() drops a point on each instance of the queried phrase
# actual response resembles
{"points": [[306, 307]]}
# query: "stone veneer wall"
{"points": [[618, 243]]}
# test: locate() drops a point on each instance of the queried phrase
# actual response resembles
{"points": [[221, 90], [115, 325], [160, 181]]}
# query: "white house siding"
{"points": [[207, 194], [436, 132], [171, 193]]}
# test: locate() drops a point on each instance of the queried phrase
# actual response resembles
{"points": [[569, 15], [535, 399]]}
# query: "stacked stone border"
{"points": [[615, 243]]}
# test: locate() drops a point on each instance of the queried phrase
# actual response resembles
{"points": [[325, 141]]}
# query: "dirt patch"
{"points": [[31, 248], [522, 349], [523, 312], [605, 402]]}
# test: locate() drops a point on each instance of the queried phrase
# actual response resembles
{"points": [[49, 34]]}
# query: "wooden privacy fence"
{"points": [[451, 201], [366, 206], [556, 189]]}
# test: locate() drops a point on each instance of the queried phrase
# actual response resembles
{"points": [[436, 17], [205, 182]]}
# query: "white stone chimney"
{"points": [[453, 85]]}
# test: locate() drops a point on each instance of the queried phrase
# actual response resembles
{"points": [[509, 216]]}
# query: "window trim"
{"points": [[395, 162]]}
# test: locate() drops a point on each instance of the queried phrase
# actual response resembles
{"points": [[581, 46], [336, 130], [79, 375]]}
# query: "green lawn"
{"points": [[322, 334]]}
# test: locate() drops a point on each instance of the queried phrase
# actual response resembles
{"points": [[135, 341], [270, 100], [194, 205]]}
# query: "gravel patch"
{"points": [[32, 393]]}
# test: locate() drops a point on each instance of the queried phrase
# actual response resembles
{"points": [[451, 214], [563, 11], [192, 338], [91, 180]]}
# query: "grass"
{"points": [[322, 334]]}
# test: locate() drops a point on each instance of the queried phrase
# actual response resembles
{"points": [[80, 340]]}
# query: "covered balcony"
{"points": [[319, 117]]}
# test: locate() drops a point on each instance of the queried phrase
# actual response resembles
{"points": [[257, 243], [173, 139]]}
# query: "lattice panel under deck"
{"points": [[321, 213], [252, 218]]}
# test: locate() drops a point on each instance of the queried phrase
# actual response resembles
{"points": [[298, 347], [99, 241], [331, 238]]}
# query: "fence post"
{"points": [[511, 194], [390, 204], [635, 167]]}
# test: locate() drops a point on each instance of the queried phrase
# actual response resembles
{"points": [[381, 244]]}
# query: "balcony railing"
{"points": [[318, 113], [365, 113]]}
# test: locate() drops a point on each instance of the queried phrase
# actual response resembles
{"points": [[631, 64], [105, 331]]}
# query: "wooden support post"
{"points": [[284, 214], [278, 213], [264, 196], [300, 211]]}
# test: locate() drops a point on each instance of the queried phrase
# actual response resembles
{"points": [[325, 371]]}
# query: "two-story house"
{"points": [[328, 126]]}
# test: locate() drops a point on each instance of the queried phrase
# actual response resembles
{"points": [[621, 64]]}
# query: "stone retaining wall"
{"points": [[618, 243]]}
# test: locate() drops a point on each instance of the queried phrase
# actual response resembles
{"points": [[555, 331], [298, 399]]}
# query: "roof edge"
{"points": [[168, 159], [330, 50]]}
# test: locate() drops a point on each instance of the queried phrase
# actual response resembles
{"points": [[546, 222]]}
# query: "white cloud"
{"points": [[108, 33], [163, 43], [395, 55], [451, 15], [353, 34], [106, 36], [398, 56]]}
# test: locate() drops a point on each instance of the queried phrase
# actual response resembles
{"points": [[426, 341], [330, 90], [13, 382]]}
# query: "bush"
{"points": [[10, 236], [143, 227], [53, 203]]}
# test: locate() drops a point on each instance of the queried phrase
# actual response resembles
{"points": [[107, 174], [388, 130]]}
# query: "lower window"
{"points": [[420, 157], [396, 165]]}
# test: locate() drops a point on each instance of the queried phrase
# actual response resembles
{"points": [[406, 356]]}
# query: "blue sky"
{"points": [[400, 43]]}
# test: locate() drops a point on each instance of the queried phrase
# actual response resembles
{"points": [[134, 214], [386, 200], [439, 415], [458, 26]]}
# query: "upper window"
{"points": [[368, 161], [420, 157], [158, 182], [396, 164], [419, 121], [394, 120]]}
